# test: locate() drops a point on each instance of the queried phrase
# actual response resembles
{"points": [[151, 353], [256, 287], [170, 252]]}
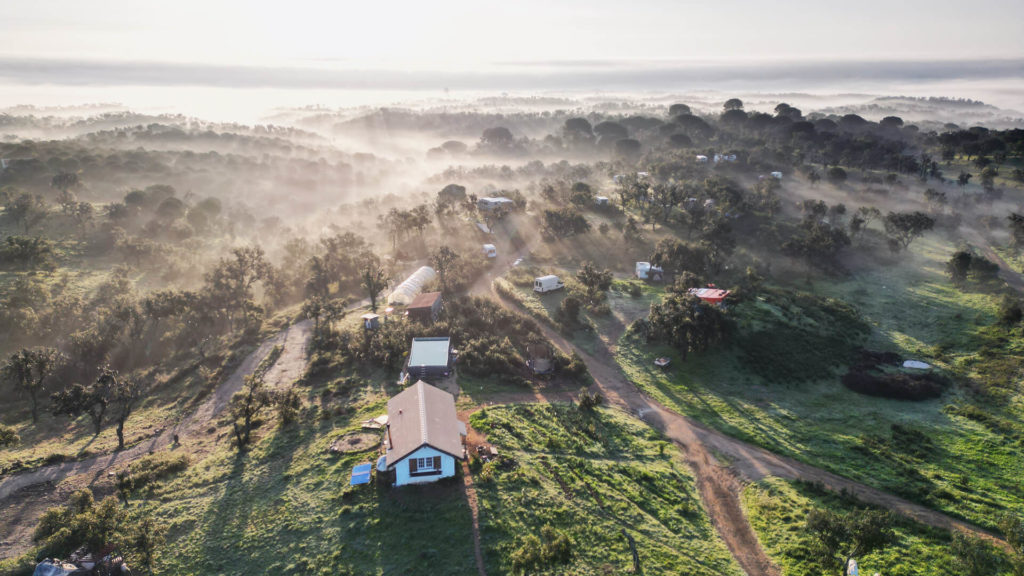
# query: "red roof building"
{"points": [[710, 294]]}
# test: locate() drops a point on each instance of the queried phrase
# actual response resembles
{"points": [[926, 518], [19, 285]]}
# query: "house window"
{"points": [[425, 466]]}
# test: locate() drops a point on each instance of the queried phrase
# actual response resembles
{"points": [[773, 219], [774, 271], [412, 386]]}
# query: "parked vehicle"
{"points": [[547, 284]]}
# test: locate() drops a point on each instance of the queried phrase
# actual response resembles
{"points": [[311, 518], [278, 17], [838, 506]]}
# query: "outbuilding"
{"points": [[710, 294], [425, 307], [405, 292], [423, 438], [430, 357], [495, 203]]}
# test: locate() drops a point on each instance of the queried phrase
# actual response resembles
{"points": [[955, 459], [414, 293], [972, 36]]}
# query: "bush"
{"points": [[535, 554], [898, 386]]}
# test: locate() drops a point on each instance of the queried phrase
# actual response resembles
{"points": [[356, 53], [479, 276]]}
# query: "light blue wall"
{"points": [[402, 476]]}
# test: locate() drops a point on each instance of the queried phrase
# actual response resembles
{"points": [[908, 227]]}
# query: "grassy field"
{"points": [[590, 476], [777, 510], [947, 453]]}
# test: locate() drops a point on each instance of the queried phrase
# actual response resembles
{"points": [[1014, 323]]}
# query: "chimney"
{"points": [[390, 443]]}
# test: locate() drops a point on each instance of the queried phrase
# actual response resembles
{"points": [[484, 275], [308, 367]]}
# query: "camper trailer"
{"points": [[777, 175], [601, 201], [490, 251], [547, 284], [645, 271]]}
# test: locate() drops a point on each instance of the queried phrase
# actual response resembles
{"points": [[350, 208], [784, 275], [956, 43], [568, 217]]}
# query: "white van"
{"points": [[547, 284], [490, 251]]}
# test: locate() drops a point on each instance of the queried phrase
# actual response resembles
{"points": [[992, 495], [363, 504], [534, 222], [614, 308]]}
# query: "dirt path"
{"points": [[1006, 272], [470, 491], [19, 487], [721, 484]]}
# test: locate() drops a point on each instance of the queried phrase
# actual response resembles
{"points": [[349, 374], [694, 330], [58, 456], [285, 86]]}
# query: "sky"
{"points": [[197, 56], [442, 35]]}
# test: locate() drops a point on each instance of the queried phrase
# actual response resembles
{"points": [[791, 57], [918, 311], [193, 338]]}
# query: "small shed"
{"points": [[490, 251], [430, 357], [425, 307], [710, 294], [370, 320], [495, 203]]}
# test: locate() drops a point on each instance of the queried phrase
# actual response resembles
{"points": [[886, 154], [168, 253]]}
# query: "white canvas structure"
{"points": [[413, 285], [916, 364]]}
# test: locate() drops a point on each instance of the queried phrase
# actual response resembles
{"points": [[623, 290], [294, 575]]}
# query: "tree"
{"points": [[93, 400], [581, 194], [627, 148], [27, 370], [565, 222], [230, 283], [596, 281], [82, 522], [677, 257], [677, 109], [28, 210], [1016, 229], [146, 537], [838, 538], [863, 218], [251, 400], [568, 313], [963, 179], [64, 183], [974, 556], [988, 177], [373, 275], [124, 392], [1013, 531], [836, 175], [958, 267], [902, 228], [687, 323], [443, 261], [8, 437], [497, 137], [733, 104]]}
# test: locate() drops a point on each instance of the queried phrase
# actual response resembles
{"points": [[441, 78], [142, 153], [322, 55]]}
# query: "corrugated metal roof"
{"points": [[423, 415], [425, 300], [430, 352]]}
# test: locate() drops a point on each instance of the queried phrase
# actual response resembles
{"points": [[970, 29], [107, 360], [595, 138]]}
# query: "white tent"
{"points": [[916, 364], [406, 291]]}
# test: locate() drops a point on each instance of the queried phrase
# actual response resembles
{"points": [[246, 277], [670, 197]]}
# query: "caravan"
{"points": [[547, 284]]}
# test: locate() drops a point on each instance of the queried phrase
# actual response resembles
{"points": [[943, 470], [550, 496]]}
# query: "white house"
{"points": [[423, 438]]}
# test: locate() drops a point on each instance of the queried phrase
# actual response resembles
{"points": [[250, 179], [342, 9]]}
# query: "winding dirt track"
{"points": [[288, 368]]}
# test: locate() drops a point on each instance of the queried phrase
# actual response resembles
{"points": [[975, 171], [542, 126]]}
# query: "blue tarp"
{"points": [[361, 474]]}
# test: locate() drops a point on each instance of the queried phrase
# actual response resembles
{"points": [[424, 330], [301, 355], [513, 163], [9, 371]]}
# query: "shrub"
{"points": [[535, 554], [896, 386]]}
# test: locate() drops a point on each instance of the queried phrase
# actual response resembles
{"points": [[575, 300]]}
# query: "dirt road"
{"points": [[288, 368]]}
